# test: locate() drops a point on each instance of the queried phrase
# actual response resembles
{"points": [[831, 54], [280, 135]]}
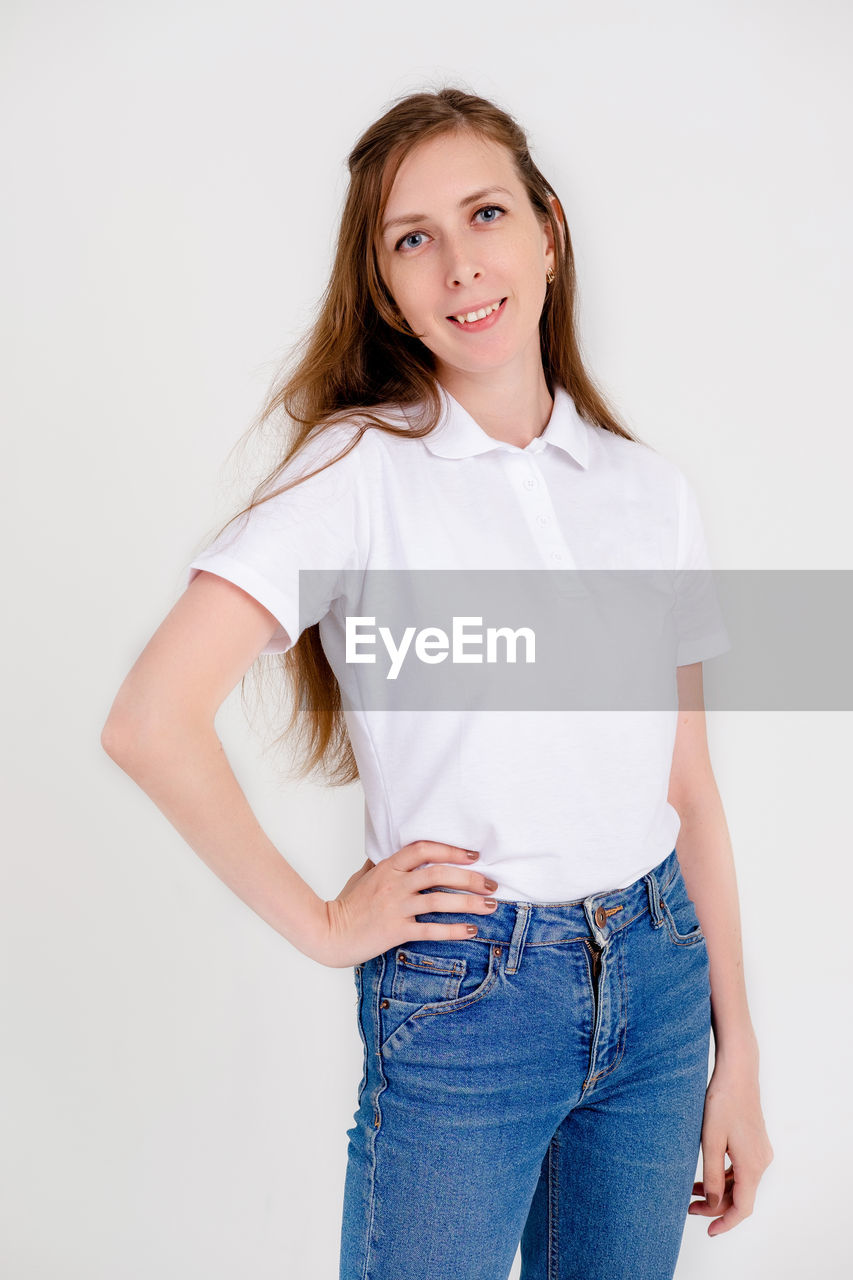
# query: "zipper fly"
{"points": [[596, 956]]}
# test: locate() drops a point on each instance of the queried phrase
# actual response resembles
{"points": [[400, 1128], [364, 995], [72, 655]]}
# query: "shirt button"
{"points": [[543, 519], [556, 555], [529, 482]]}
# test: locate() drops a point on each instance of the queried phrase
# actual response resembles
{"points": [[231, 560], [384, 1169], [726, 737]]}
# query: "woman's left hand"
{"points": [[733, 1123]]}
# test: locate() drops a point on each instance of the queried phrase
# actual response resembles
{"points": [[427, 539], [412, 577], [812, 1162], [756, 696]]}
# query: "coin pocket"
{"points": [[679, 912], [421, 977]]}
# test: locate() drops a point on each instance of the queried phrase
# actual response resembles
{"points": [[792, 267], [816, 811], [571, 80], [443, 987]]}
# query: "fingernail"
{"points": [[473, 853]]}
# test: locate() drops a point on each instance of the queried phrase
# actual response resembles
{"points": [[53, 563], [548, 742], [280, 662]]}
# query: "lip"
{"points": [[477, 306], [477, 326]]}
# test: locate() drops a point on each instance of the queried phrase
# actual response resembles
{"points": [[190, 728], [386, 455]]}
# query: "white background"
{"points": [[177, 1079]]}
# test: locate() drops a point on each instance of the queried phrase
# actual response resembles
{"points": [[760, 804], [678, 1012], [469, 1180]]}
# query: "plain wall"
{"points": [[177, 1079]]}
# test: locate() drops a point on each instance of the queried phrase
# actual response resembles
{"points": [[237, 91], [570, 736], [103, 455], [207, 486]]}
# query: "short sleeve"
{"points": [[315, 525], [701, 631]]}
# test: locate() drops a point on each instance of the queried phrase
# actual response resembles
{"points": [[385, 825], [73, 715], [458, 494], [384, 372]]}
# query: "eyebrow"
{"points": [[422, 217]]}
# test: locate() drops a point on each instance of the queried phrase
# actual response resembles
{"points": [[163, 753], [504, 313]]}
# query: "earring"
{"points": [[549, 276]]}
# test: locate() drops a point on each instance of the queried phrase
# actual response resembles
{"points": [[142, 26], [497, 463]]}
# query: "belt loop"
{"points": [[519, 933], [654, 900]]}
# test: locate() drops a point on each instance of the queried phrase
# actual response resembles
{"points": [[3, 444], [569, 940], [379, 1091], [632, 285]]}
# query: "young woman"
{"points": [[536, 1026]]}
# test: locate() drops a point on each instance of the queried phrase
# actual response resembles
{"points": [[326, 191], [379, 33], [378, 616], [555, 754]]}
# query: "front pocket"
{"points": [[479, 978], [426, 974], [358, 973], [679, 912]]}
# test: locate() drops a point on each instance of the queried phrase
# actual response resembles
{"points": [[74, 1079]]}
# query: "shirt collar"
{"points": [[458, 435]]}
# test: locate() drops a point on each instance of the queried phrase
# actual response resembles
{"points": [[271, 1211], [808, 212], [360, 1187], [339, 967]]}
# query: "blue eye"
{"points": [[483, 209], [491, 206]]}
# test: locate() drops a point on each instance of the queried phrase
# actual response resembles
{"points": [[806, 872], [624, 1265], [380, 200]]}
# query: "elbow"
{"points": [[127, 728], [697, 797], [108, 740], [133, 740], [116, 738]]}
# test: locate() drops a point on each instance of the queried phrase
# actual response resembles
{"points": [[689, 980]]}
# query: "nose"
{"points": [[463, 276], [461, 267]]}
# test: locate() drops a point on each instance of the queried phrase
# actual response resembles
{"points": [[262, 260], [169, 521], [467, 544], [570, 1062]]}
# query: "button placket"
{"points": [[546, 531], [538, 509]]}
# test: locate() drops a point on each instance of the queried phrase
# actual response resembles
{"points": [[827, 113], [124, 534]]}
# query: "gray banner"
{"points": [[770, 640]]}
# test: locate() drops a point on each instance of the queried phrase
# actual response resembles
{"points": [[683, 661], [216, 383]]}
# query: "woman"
{"points": [[536, 1029]]}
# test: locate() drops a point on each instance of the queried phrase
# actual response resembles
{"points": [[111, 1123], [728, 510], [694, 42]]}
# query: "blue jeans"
{"points": [[542, 1083]]}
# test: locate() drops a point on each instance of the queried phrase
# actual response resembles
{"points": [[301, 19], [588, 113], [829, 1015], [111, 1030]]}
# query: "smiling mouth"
{"points": [[481, 322]]}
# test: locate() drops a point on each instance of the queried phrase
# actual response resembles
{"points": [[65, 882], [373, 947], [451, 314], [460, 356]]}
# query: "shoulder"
{"points": [[353, 432], [370, 446], [327, 462], [636, 461]]}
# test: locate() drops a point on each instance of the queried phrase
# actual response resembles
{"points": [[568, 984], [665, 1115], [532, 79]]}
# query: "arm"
{"points": [[707, 863], [733, 1120], [160, 731]]}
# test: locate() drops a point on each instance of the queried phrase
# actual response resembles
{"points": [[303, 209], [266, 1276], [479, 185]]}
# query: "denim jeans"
{"points": [[542, 1083]]}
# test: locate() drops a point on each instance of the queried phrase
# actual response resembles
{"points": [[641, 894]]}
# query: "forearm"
{"points": [[705, 854], [183, 768]]}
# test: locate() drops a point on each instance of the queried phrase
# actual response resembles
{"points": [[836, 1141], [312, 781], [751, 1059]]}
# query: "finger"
{"points": [[740, 1201], [468, 903], [705, 1208], [453, 877], [420, 852], [729, 1219], [712, 1202], [715, 1187], [714, 1171]]}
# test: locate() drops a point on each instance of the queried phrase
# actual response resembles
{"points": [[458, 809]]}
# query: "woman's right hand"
{"points": [[377, 906]]}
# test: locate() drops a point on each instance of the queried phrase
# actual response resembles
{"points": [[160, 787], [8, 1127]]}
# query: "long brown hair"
{"points": [[361, 353]]}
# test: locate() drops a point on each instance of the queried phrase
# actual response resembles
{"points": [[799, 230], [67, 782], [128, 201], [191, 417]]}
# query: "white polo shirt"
{"points": [[560, 804]]}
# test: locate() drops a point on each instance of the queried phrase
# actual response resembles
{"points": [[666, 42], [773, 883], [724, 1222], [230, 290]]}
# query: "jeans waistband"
{"points": [[535, 924]]}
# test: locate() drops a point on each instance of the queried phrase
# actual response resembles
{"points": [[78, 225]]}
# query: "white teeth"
{"points": [[477, 315]]}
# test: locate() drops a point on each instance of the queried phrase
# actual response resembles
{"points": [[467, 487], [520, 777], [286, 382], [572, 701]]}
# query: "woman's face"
{"points": [[464, 235]]}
